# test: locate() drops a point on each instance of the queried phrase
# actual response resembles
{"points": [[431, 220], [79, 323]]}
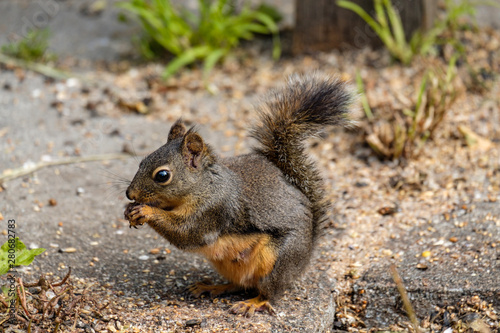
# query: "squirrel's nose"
{"points": [[129, 194]]}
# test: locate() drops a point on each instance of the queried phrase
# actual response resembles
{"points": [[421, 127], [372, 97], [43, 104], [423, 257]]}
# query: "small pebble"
{"points": [[67, 250], [36, 93], [144, 257], [426, 254], [193, 322], [387, 210], [80, 190], [111, 327], [50, 294], [72, 82], [422, 266]]}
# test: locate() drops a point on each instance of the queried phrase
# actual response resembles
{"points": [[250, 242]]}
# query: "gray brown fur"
{"points": [[302, 110]]}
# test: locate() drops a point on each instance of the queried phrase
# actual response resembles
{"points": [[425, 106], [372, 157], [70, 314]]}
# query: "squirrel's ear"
{"points": [[193, 149], [177, 130]]}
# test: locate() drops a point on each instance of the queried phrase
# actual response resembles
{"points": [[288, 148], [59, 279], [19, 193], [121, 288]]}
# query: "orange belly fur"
{"points": [[242, 259]]}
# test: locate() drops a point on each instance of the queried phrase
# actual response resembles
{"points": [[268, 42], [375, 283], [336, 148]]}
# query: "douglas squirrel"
{"points": [[256, 217]]}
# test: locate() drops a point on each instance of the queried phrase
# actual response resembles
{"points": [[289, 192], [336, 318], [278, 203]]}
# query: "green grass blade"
{"points": [[381, 29], [419, 107], [211, 60], [267, 21], [188, 57], [397, 26], [364, 98], [273, 28], [363, 14], [380, 14], [450, 73]]}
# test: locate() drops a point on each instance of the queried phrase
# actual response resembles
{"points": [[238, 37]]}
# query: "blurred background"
{"points": [[93, 30]]}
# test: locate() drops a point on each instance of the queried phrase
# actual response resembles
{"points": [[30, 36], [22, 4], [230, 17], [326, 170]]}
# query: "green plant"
{"points": [[425, 42], [14, 253], [456, 10], [406, 131], [363, 98], [32, 48], [479, 78], [389, 28], [208, 35], [387, 25]]}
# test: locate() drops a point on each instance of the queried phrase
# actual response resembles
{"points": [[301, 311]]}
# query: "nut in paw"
{"points": [[138, 214]]}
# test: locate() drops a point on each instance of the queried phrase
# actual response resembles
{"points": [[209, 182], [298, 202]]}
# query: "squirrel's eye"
{"points": [[162, 176]]}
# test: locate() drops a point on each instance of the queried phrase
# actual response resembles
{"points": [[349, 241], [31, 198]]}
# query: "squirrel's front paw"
{"points": [[138, 214]]}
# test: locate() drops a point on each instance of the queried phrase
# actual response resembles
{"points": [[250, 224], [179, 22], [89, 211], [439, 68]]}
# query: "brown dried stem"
{"points": [[404, 296], [20, 172], [63, 281], [22, 297]]}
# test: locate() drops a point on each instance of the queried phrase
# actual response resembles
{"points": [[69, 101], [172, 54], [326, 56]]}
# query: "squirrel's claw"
{"points": [[197, 289], [136, 214], [247, 308]]}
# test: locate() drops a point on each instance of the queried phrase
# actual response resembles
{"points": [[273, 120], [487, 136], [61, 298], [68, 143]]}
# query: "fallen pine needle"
{"points": [[36, 67], [26, 170], [404, 296]]}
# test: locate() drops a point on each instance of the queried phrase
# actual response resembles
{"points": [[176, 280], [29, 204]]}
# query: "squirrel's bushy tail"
{"points": [[302, 109]]}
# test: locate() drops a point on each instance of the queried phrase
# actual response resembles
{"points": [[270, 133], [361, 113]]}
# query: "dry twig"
{"points": [[48, 312], [23, 171], [36, 67], [404, 296], [22, 297]]}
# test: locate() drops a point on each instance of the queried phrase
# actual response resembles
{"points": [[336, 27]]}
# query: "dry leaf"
{"points": [[473, 140]]}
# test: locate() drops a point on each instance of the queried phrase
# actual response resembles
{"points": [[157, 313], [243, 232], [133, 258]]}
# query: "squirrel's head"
{"points": [[168, 176]]}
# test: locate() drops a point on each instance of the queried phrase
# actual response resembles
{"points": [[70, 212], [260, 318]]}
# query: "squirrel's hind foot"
{"points": [[200, 288], [247, 308]]}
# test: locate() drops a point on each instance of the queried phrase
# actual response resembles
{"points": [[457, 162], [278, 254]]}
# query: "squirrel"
{"points": [[256, 217]]}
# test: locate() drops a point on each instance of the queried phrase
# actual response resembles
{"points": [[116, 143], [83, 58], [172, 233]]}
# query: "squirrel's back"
{"points": [[303, 108]]}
